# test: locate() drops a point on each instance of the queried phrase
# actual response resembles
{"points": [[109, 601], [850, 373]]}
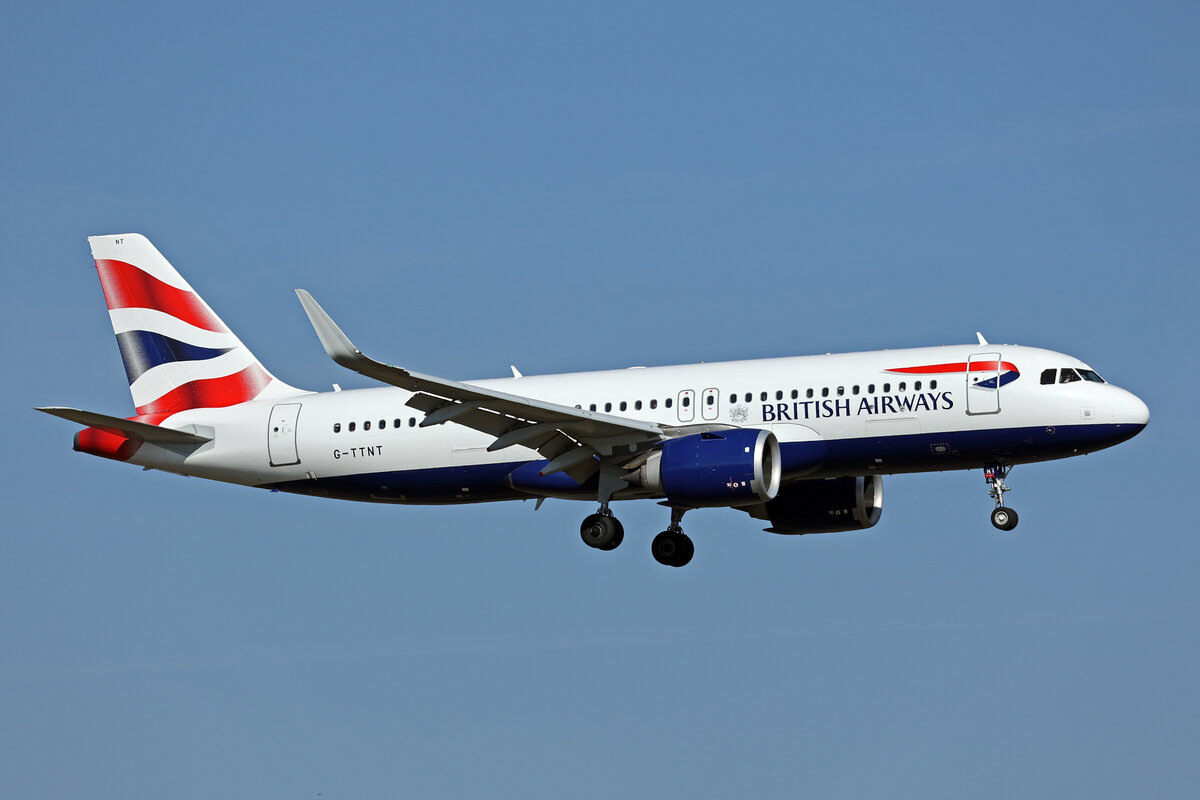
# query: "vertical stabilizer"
{"points": [[178, 354]]}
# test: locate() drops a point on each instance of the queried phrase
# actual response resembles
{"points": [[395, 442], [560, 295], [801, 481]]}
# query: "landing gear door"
{"points": [[983, 383], [281, 435]]}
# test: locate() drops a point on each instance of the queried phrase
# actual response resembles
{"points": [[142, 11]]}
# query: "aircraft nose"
{"points": [[1128, 409]]}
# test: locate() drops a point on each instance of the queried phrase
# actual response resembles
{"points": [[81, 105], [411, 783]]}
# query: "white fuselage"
{"points": [[864, 413]]}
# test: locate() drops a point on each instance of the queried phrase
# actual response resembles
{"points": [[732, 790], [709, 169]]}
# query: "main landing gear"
{"points": [[602, 530], [1003, 517], [671, 548]]}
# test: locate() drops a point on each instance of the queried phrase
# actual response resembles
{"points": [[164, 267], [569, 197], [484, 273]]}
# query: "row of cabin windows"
{"points": [[383, 423], [710, 399], [685, 401], [840, 391], [637, 405]]}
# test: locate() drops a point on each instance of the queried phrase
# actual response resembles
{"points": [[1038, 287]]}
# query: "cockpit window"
{"points": [[1048, 376], [1090, 375], [1068, 376]]}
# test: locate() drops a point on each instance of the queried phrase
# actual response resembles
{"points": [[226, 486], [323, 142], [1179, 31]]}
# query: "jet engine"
{"points": [[734, 467], [824, 506]]}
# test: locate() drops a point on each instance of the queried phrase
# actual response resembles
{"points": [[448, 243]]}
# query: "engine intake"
{"points": [[735, 467]]}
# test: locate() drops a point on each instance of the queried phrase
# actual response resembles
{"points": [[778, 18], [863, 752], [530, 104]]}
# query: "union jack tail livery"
{"points": [[178, 354]]}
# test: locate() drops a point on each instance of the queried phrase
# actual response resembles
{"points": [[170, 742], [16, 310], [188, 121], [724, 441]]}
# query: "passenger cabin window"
{"points": [[763, 397], [1068, 376], [637, 406], [412, 421], [592, 407], [687, 401], [667, 402], [337, 427], [749, 397], [608, 406], [382, 424], [825, 391], [887, 387], [350, 427], [795, 393], [779, 394], [624, 405], [1048, 376], [808, 393], [917, 386], [854, 389], [841, 390], [654, 403], [396, 423], [733, 398], [709, 399], [870, 388], [367, 425]]}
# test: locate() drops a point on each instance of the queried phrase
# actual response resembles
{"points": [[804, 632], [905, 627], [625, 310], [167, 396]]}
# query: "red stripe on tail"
{"points": [[211, 392], [126, 286]]}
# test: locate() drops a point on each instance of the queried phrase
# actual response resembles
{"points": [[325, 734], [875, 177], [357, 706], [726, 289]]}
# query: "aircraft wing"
{"points": [[571, 439]]}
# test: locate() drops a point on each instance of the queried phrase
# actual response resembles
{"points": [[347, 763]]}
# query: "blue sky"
{"points": [[468, 186]]}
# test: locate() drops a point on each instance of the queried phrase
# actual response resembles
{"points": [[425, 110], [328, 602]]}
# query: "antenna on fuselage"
{"points": [[981, 339]]}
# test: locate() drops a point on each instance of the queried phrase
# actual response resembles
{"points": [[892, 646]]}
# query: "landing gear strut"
{"points": [[672, 547], [602, 530], [1002, 517]]}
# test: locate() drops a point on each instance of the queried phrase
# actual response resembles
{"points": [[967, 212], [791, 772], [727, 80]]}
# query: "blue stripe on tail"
{"points": [[143, 350]]}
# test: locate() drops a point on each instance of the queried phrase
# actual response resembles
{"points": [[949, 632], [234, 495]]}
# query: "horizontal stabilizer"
{"points": [[127, 427]]}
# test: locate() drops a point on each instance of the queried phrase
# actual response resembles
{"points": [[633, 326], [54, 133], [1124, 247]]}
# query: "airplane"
{"points": [[801, 443]]}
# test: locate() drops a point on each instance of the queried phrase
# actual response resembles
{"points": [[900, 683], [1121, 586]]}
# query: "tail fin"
{"points": [[178, 354]]}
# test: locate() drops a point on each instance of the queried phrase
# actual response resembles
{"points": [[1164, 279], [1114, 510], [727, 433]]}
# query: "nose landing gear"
{"points": [[1003, 517]]}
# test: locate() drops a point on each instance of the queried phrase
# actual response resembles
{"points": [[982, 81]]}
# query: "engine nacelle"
{"points": [[824, 506], [735, 467]]}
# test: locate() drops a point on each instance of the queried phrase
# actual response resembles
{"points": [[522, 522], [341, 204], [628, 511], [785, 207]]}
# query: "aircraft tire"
{"points": [[601, 531], [672, 549], [617, 538], [1004, 518]]}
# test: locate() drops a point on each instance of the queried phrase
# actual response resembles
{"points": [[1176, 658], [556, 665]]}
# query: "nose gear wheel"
{"points": [[1003, 518]]}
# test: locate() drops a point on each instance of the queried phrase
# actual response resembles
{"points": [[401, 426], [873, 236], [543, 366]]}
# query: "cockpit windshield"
{"points": [[1069, 375]]}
